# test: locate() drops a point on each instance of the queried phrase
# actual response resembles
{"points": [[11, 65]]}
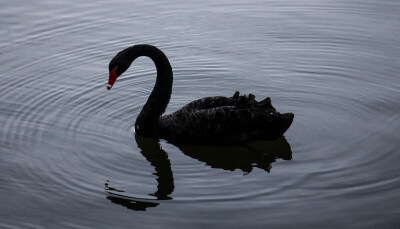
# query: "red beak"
{"points": [[112, 78]]}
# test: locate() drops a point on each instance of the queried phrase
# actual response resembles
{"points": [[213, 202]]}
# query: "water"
{"points": [[69, 157]]}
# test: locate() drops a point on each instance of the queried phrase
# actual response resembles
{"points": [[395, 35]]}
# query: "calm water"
{"points": [[69, 157]]}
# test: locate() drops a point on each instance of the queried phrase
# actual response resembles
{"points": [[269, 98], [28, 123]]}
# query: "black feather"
{"points": [[218, 119]]}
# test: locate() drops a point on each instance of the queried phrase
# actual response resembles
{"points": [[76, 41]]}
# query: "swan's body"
{"points": [[226, 120]]}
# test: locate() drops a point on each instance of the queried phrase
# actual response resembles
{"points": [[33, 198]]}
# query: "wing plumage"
{"points": [[219, 119]]}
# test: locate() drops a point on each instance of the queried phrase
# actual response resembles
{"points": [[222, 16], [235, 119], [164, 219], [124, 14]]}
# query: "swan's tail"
{"points": [[265, 119]]}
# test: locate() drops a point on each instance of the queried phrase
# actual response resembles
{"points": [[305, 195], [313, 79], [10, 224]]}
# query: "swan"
{"points": [[210, 120]]}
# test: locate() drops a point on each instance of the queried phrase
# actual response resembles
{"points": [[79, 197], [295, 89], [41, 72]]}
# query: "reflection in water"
{"points": [[158, 158], [131, 203], [258, 154]]}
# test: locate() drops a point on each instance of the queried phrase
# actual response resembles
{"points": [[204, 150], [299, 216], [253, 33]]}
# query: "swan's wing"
{"points": [[209, 102], [190, 125], [236, 101], [245, 120]]}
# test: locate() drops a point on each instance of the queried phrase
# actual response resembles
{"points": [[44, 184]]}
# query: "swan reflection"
{"points": [[245, 157], [158, 158], [259, 154]]}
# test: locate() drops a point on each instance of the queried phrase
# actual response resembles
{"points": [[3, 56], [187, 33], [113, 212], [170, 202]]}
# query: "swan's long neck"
{"points": [[147, 121]]}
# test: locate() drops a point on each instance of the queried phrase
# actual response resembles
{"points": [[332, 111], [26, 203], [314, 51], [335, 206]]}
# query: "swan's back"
{"points": [[229, 120]]}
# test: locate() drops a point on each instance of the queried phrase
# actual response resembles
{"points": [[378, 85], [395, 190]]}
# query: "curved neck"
{"points": [[147, 121]]}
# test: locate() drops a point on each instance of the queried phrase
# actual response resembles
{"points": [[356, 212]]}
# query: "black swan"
{"points": [[211, 120]]}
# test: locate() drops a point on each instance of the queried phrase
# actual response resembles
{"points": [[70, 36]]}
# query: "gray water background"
{"points": [[68, 153]]}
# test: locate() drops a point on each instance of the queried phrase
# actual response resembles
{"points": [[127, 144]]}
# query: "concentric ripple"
{"points": [[69, 157]]}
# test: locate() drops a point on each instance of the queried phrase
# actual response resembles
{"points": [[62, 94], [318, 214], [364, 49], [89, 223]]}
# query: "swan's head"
{"points": [[118, 65]]}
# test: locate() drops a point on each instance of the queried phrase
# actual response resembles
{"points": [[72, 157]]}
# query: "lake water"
{"points": [[69, 157]]}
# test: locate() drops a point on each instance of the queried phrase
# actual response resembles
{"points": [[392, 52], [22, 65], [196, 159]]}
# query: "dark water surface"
{"points": [[69, 157]]}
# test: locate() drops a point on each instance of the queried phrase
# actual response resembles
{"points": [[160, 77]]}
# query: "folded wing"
{"points": [[230, 120]]}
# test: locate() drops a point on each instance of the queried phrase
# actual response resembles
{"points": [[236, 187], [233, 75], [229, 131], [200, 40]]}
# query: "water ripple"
{"points": [[68, 144]]}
